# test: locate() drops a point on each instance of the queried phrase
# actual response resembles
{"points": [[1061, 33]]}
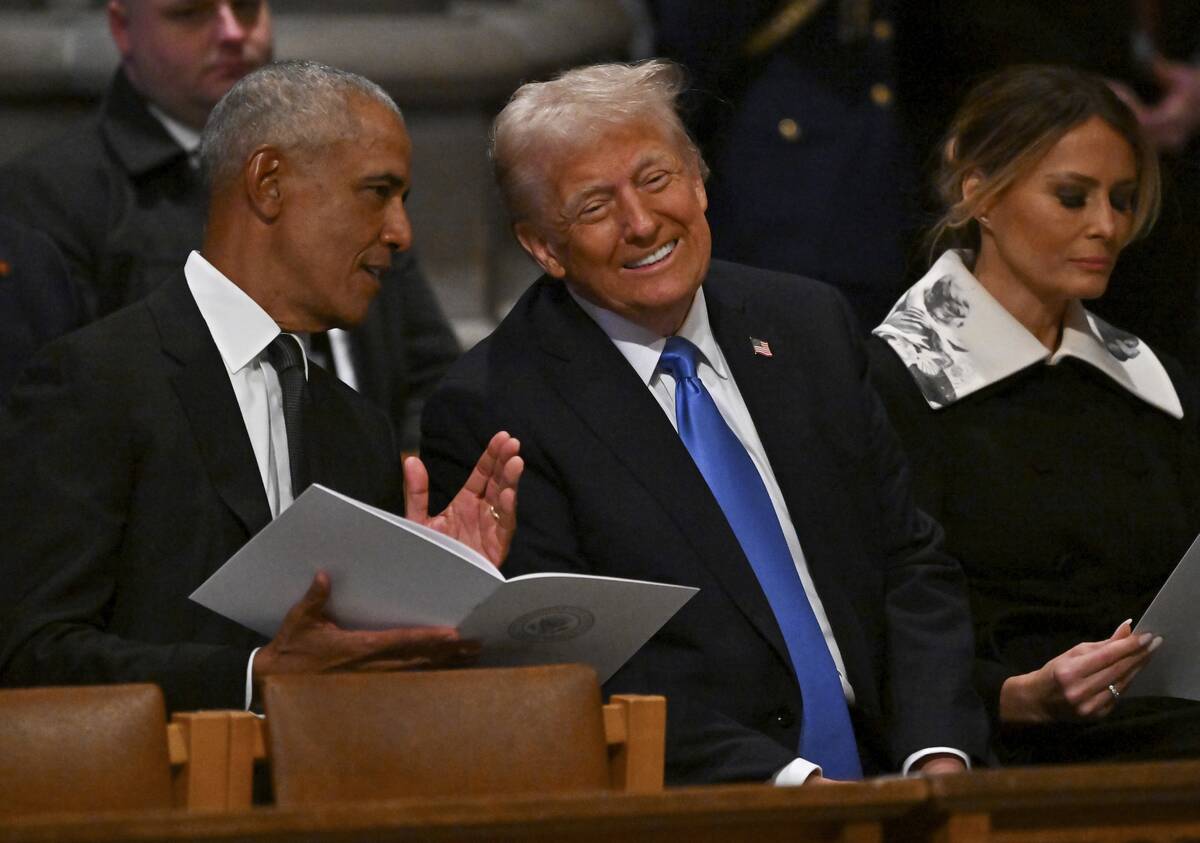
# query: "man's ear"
{"points": [[118, 26], [539, 248], [262, 180], [701, 193]]}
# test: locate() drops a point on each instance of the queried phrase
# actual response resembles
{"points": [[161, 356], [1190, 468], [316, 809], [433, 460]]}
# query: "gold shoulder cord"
{"points": [[854, 19], [789, 17]]}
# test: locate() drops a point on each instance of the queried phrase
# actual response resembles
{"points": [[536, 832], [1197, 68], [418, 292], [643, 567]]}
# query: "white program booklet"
{"points": [[387, 571], [1174, 669]]}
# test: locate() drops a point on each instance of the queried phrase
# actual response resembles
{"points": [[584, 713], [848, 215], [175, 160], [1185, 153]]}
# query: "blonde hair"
{"points": [[542, 120], [1008, 122]]}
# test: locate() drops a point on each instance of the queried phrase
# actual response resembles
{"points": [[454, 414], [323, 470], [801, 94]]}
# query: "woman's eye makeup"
{"points": [[1070, 197], [1123, 199]]}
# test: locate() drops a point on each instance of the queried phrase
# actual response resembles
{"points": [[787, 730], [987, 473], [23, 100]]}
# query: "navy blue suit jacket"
{"points": [[610, 489]]}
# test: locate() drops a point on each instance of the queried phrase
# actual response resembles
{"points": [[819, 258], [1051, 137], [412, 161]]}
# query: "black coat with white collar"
{"points": [[1068, 500]]}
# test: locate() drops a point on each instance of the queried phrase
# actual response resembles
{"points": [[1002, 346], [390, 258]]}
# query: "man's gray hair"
{"points": [[288, 105], [544, 119]]}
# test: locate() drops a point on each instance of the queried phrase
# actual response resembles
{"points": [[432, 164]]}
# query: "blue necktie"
{"points": [[826, 736]]}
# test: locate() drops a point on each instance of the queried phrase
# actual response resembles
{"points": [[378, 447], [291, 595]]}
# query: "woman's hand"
{"points": [[1075, 684]]}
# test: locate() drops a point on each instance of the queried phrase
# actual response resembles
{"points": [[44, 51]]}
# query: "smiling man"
{"points": [[143, 451], [708, 424]]}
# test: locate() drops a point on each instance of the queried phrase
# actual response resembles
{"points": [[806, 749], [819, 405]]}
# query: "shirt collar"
{"points": [[185, 136], [643, 347], [240, 328], [957, 339]]}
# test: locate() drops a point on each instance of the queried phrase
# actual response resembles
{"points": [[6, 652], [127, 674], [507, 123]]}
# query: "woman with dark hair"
{"points": [[1060, 454]]}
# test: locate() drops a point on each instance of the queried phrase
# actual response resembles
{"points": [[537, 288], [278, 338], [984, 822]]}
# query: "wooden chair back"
{"points": [[93, 748], [350, 737]]}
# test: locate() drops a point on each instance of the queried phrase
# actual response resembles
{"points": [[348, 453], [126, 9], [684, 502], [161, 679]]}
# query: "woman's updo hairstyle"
{"points": [[1008, 122]]}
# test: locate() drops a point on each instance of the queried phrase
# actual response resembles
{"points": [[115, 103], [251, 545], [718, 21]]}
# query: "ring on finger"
{"points": [[1112, 689], [495, 513]]}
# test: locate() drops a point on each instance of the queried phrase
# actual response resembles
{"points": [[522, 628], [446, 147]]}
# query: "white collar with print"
{"points": [[956, 339]]}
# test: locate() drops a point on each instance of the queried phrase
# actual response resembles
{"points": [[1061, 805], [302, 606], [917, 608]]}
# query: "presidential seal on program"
{"points": [[556, 623]]}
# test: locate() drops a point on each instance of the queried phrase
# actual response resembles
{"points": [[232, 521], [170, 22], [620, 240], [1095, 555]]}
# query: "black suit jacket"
{"points": [[610, 489], [128, 479], [119, 198], [38, 300]]}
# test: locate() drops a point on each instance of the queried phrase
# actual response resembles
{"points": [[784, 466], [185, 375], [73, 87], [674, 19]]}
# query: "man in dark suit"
{"points": [[638, 467], [142, 451], [38, 300], [123, 198]]}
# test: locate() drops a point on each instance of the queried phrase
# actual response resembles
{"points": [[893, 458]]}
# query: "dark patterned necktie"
{"points": [[826, 736], [286, 355]]}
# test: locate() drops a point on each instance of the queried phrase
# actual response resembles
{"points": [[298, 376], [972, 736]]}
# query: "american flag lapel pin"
{"points": [[761, 347]]}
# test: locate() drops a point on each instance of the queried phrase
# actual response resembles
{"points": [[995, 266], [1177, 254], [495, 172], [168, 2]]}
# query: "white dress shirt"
{"points": [[242, 331], [642, 348]]}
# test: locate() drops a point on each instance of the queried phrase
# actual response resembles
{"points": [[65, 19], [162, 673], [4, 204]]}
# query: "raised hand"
{"points": [[483, 514], [1175, 118]]}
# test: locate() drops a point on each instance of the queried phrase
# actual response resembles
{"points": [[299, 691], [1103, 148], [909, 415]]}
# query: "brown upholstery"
{"points": [[442, 733], [83, 749]]}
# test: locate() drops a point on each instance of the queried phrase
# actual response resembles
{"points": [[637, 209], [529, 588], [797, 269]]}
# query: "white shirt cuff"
{"points": [[933, 750], [799, 771], [250, 678], [796, 773]]}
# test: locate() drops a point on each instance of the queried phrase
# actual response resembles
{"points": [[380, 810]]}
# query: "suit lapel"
{"points": [[779, 394], [596, 381], [774, 388], [342, 453], [203, 388]]}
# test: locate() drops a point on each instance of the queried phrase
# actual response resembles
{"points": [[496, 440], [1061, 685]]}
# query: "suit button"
{"points": [[882, 30], [881, 94], [789, 129], [784, 719]]}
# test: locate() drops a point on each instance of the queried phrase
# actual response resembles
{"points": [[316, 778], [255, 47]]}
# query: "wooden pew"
{"points": [[848, 813], [1102, 803], [635, 727], [212, 759], [213, 752]]}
